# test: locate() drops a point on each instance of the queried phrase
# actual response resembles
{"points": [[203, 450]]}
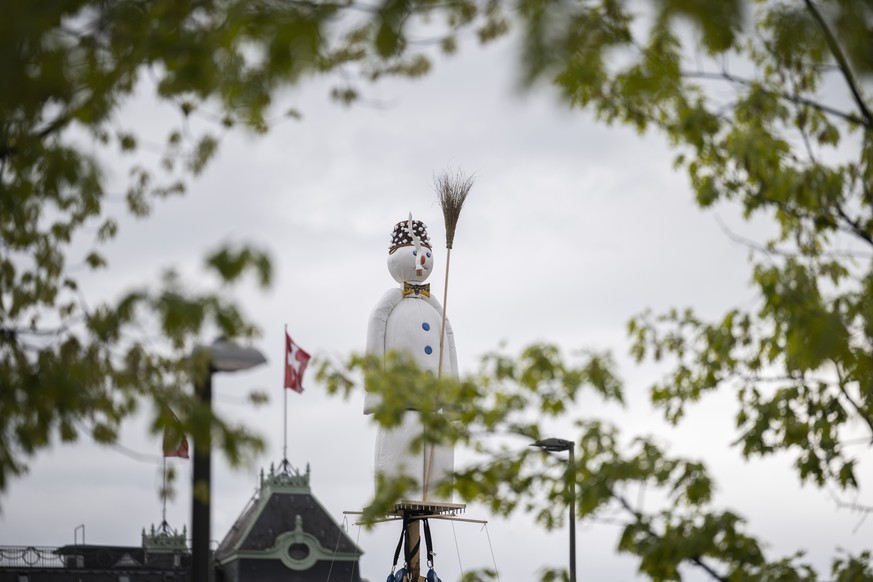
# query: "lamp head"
{"points": [[554, 445], [227, 356]]}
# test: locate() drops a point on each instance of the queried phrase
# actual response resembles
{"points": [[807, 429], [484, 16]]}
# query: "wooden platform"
{"points": [[417, 510], [407, 506]]}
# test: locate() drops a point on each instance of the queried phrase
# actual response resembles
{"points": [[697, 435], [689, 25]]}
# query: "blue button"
{"points": [[428, 350], [425, 326]]}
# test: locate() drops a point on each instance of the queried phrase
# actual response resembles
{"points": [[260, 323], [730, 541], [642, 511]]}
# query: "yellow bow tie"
{"points": [[412, 289]]}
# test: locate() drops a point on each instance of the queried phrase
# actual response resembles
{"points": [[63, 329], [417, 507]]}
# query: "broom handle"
{"points": [[440, 368], [443, 326]]}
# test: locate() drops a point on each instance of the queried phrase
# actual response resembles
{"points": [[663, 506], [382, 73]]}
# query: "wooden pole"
{"points": [[413, 540]]}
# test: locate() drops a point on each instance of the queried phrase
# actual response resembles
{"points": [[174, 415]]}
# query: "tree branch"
{"points": [[756, 246], [782, 378], [726, 76], [864, 510], [861, 413], [696, 560], [865, 185], [854, 226], [706, 568], [59, 122], [840, 57], [13, 332]]}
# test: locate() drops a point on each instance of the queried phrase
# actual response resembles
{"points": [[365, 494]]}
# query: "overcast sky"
{"points": [[571, 228]]}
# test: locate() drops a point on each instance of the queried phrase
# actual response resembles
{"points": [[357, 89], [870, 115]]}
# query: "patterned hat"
{"points": [[402, 238]]}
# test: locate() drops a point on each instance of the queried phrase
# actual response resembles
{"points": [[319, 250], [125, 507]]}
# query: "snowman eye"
{"points": [[414, 252], [428, 255]]}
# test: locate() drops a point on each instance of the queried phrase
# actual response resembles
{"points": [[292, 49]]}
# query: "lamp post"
{"points": [[224, 356], [553, 445]]}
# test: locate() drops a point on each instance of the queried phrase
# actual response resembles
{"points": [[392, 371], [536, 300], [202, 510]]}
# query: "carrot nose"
{"points": [[422, 259]]}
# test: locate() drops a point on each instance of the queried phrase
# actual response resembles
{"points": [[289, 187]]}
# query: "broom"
{"points": [[452, 190]]}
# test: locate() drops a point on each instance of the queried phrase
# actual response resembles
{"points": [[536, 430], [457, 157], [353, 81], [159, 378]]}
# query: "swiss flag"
{"points": [[295, 364]]}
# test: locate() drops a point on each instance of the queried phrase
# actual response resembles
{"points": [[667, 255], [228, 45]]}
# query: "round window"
{"points": [[298, 551]]}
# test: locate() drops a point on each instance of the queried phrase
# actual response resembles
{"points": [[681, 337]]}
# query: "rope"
{"points": [[336, 548], [457, 549], [357, 539], [493, 561]]}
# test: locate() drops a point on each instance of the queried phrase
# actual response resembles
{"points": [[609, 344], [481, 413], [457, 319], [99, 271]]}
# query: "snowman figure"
{"points": [[407, 320]]}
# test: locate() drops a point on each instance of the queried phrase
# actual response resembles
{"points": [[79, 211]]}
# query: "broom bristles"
{"points": [[452, 190]]}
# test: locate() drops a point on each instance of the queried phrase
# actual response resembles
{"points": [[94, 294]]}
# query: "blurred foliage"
{"points": [[766, 104], [663, 505], [72, 364]]}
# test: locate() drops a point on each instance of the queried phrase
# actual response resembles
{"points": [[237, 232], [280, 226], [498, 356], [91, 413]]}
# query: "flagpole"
{"points": [[293, 381], [285, 409], [164, 493], [285, 448]]}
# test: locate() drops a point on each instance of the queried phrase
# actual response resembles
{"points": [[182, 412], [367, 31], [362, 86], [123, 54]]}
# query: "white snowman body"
{"points": [[409, 323]]}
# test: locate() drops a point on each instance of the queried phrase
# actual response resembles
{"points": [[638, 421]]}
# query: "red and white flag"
{"points": [[175, 442], [295, 364]]}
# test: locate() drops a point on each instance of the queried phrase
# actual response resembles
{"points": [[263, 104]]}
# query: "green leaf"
{"points": [[95, 260]]}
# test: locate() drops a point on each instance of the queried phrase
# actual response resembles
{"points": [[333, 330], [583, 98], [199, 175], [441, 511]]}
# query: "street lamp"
{"points": [[553, 445], [224, 356]]}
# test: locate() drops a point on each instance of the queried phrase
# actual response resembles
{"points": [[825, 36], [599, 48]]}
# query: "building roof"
{"points": [[284, 521], [283, 535]]}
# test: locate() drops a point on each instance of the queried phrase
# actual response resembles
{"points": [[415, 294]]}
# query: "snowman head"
{"points": [[410, 259]]}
